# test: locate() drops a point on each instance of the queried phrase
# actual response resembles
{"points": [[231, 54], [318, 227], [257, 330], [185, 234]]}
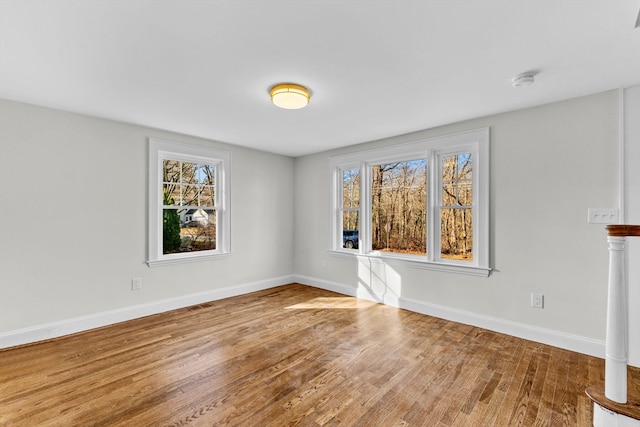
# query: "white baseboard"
{"points": [[70, 326], [555, 338], [84, 323]]}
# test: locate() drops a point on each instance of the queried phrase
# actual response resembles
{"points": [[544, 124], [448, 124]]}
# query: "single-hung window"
{"points": [[424, 203], [188, 202]]}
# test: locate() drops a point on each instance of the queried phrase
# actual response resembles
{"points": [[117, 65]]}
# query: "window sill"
{"points": [[186, 259], [458, 268]]}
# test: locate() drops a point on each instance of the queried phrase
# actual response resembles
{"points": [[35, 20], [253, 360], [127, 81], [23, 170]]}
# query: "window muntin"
{"points": [[449, 176], [188, 202]]}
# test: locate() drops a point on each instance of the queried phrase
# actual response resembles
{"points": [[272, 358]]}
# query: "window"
{"points": [[425, 203], [188, 203]]}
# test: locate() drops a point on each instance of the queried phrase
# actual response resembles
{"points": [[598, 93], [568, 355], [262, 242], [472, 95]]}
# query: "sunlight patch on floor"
{"points": [[333, 302]]}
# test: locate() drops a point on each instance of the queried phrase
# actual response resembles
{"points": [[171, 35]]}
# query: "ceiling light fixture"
{"points": [[523, 80], [290, 96]]}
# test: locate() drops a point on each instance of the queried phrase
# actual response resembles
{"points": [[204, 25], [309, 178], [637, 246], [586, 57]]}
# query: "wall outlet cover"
{"points": [[537, 300]]}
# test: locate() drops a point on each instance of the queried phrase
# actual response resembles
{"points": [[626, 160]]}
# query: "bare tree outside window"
{"points": [[456, 211], [424, 203], [399, 201]]}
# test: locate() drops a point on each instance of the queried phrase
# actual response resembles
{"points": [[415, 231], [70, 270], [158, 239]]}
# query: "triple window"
{"points": [[424, 202]]}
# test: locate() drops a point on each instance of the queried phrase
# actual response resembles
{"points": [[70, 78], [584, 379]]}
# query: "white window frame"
{"points": [[475, 142], [160, 150]]}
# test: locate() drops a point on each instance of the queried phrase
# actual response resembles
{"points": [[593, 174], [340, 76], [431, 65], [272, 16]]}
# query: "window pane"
{"points": [[171, 194], [207, 196], [206, 175], [457, 181], [398, 214], [197, 233], [457, 234], [350, 229], [171, 171], [171, 241], [190, 195], [189, 172], [351, 188]]}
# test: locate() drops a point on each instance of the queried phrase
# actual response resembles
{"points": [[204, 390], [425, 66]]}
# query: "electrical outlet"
{"points": [[602, 216], [537, 300], [136, 284]]}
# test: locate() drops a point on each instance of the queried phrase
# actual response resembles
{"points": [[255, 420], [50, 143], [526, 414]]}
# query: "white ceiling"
{"points": [[375, 68]]}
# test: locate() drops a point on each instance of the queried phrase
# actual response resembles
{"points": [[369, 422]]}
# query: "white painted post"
{"points": [[617, 347]]}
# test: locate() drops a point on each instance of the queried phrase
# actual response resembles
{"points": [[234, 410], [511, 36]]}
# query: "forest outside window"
{"points": [[424, 203], [188, 202]]}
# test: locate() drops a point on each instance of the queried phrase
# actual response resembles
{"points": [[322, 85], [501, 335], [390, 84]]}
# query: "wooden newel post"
{"points": [[617, 346]]}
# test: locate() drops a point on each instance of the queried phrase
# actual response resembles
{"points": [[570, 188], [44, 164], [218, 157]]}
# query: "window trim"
{"points": [[160, 150], [473, 141]]}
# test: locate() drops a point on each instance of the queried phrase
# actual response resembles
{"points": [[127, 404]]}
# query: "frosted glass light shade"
{"points": [[290, 96]]}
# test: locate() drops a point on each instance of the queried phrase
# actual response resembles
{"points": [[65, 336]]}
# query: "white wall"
{"points": [[548, 166], [73, 223]]}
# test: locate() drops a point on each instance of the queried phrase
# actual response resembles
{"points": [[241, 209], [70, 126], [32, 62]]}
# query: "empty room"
{"points": [[320, 213]]}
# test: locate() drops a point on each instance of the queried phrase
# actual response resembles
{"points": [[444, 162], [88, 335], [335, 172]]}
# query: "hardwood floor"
{"points": [[295, 355]]}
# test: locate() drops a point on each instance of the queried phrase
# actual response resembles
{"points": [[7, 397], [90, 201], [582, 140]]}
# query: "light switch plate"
{"points": [[602, 216]]}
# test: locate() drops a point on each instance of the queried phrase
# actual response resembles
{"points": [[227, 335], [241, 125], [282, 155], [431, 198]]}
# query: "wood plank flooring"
{"points": [[295, 355]]}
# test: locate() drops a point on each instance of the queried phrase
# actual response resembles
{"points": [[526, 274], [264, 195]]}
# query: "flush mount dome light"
{"points": [[290, 96]]}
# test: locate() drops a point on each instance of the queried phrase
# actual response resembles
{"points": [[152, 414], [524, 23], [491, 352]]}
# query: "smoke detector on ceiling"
{"points": [[523, 80]]}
